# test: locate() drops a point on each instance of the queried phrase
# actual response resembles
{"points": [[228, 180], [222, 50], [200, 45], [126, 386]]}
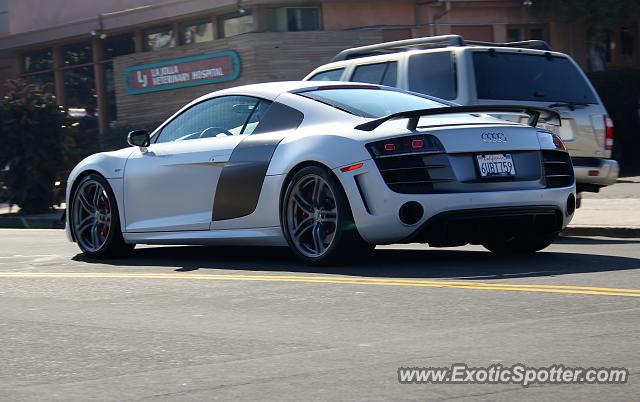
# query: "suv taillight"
{"points": [[608, 133]]}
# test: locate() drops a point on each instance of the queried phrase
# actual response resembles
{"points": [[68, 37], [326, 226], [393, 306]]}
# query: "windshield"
{"points": [[371, 102], [529, 77]]}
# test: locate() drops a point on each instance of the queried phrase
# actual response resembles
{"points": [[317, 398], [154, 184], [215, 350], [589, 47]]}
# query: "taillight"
{"points": [[418, 144], [550, 141], [608, 133]]}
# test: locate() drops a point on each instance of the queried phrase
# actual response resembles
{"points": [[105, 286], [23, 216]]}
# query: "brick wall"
{"points": [[268, 56]]}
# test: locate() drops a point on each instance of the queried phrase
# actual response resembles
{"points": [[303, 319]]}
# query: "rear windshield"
{"points": [[371, 102], [529, 77]]}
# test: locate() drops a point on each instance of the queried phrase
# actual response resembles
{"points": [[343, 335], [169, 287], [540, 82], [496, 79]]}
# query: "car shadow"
{"points": [[383, 262], [595, 240]]}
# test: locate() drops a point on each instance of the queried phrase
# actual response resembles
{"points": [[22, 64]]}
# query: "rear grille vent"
{"points": [[409, 174], [558, 171]]}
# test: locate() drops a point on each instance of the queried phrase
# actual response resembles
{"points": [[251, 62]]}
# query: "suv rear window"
{"points": [[433, 74], [529, 77], [370, 102]]}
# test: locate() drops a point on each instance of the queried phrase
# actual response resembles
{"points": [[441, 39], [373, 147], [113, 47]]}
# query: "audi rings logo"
{"points": [[493, 138]]}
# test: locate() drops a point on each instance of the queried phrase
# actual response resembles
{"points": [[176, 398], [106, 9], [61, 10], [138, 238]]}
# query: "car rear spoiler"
{"points": [[535, 114]]}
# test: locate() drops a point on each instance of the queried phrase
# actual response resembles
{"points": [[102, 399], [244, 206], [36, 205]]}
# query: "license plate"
{"points": [[496, 165]]}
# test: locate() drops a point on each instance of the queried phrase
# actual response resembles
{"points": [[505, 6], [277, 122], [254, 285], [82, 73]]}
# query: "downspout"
{"points": [[436, 18]]}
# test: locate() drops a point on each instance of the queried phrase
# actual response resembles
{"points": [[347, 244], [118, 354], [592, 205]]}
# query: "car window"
{"points": [[378, 73], [279, 117], [221, 116], [256, 117], [433, 74], [330, 75], [391, 75], [529, 77], [371, 102]]}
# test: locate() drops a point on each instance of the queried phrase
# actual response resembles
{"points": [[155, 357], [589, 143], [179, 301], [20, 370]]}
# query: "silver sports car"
{"points": [[329, 169]]}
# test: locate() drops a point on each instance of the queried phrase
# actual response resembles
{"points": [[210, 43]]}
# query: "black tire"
{"points": [[345, 242], [110, 241], [521, 244]]}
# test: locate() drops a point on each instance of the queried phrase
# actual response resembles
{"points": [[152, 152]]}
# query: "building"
{"points": [[137, 61], [4, 18]]}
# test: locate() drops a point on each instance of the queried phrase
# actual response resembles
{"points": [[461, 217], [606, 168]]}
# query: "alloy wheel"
{"points": [[91, 215], [312, 215]]}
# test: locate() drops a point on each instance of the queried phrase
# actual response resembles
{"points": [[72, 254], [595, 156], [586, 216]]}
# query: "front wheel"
{"points": [[521, 244], [316, 218], [94, 219]]}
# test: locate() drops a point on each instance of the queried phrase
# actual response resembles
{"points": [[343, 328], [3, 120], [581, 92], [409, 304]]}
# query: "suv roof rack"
{"points": [[431, 42]]}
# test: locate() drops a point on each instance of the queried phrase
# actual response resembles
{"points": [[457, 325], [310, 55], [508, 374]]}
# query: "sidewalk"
{"points": [[51, 220], [614, 211]]}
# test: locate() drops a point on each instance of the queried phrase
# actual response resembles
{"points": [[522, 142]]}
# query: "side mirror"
{"points": [[139, 138]]}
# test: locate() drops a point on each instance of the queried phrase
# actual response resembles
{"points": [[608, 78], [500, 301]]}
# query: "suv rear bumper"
{"points": [[600, 172]]}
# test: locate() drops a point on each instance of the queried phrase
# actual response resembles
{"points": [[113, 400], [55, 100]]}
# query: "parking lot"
{"points": [[200, 323]]}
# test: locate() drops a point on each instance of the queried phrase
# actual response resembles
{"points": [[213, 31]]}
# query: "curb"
{"points": [[604, 231], [26, 222]]}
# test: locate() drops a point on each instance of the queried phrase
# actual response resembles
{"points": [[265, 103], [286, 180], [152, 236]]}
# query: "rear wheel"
{"points": [[520, 244], [316, 218], [94, 219]]}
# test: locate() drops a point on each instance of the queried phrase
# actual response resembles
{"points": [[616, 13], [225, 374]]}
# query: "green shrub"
{"points": [[36, 135]]}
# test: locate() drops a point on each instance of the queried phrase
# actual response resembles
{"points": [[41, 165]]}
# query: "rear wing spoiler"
{"points": [[535, 114]]}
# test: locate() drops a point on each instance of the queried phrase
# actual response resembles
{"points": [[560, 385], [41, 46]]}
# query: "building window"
{"points": [[39, 69], [197, 32], [159, 38], [110, 89], [291, 19], [79, 53], [114, 46], [38, 61], [235, 24], [79, 89], [43, 81]]}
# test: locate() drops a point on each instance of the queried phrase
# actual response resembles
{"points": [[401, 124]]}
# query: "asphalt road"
{"points": [[199, 324]]}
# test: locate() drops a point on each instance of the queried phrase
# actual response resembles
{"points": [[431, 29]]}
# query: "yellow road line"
{"points": [[563, 289]]}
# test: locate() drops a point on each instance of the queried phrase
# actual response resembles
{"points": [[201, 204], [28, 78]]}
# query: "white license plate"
{"points": [[496, 165]]}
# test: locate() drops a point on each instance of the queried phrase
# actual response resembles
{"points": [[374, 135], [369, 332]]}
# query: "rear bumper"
{"points": [[376, 209], [596, 171], [477, 226]]}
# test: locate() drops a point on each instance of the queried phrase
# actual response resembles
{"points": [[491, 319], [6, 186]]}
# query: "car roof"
{"points": [[391, 56], [273, 89]]}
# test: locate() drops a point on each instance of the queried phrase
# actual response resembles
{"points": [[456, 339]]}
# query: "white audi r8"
{"points": [[329, 169]]}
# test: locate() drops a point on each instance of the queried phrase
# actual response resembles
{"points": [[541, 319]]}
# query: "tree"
{"points": [[598, 17], [35, 134]]}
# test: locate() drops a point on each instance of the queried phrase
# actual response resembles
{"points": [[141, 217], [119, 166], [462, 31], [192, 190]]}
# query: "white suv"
{"points": [[472, 73]]}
